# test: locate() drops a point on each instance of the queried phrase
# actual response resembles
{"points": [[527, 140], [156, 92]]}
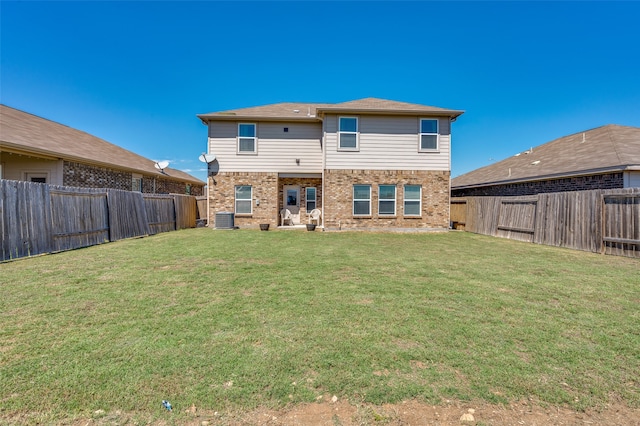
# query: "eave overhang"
{"points": [[553, 176]]}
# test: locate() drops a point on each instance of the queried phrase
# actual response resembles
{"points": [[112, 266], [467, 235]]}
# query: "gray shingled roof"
{"points": [[603, 149], [29, 133], [314, 111]]}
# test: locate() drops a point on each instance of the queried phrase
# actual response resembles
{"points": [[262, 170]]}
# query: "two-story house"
{"points": [[366, 164]]}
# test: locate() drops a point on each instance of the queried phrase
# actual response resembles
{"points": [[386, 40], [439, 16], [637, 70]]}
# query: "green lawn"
{"points": [[231, 320]]}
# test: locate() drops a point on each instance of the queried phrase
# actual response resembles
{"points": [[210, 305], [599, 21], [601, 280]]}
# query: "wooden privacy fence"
{"points": [[36, 218], [600, 221]]}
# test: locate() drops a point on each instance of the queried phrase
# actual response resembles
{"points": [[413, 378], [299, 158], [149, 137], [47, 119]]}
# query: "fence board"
{"points": [[621, 221], [186, 211], [24, 213], [458, 213], [597, 221], [202, 206], [127, 215], [79, 218], [38, 218], [161, 213], [516, 218]]}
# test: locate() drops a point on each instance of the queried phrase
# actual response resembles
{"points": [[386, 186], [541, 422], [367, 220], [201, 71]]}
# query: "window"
{"points": [[386, 200], [361, 200], [36, 177], [136, 183], [412, 200], [310, 197], [247, 138], [428, 134], [243, 199], [348, 133]]}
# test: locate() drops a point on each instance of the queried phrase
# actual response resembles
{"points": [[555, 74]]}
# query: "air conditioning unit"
{"points": [[225, 220]]}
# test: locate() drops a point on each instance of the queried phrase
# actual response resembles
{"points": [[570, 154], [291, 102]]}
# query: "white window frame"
{"points": [[436, 134], [360, 200], [254, 138], [36, 175], [236, 199], [345, 132], [136, 182], [404, 201], [380, 199], [307, 200]]}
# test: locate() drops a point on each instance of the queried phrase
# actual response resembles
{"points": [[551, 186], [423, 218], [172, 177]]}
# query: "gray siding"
{"points": [[387, 143], [277, 150]]}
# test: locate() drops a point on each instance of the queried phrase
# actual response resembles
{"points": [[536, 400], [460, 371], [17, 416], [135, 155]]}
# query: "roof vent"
{"points": [[296, 111], [535, 163]]}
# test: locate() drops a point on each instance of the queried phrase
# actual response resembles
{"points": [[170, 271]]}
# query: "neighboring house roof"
{"points": [[610, 148], [314, 111], [24, 132]]}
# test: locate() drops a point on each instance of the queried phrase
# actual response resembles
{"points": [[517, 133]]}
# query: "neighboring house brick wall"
{"points": [[87, 176], [578, 183], [339, 198]]}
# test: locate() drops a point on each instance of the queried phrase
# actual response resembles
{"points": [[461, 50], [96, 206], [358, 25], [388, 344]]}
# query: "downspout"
{"points": [[450, 146], [209, 177], [323, 146]]}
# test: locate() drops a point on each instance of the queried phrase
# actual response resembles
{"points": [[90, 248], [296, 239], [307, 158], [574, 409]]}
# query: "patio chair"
{"points": [[285, 215], [314, 215]]}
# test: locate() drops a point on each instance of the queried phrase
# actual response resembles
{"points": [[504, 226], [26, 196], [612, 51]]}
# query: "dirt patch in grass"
{"points": [[326, 412]]}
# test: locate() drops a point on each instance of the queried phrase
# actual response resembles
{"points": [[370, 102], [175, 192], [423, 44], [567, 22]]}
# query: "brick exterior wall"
{"points": [[577, 183], [338, 187], [303, 183], [86, 176], [266, 187]]}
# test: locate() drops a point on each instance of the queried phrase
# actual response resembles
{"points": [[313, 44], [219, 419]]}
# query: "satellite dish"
{"points": [[207, 158], [161, 165]]}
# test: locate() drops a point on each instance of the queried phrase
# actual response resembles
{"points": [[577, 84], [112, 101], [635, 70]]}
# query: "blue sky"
{"points": [[137, 73]]}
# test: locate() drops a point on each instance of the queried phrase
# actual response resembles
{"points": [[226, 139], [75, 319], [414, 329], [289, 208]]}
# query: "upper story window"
{"points": [[348, 133], [247, 140], [386, 200], [428, 134]]}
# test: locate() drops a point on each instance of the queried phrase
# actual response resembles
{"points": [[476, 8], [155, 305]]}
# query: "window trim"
{"points": [[380, 199], [356, 133], [236, 199], [306, 198], [33, 174], [255, 139], [404, 201], [420, 134], [353, 195], [136, 179]]}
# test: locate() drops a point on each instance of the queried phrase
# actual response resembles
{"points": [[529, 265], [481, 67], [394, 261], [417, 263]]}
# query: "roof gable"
{"points": [[27, 132], [607, 148]]}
